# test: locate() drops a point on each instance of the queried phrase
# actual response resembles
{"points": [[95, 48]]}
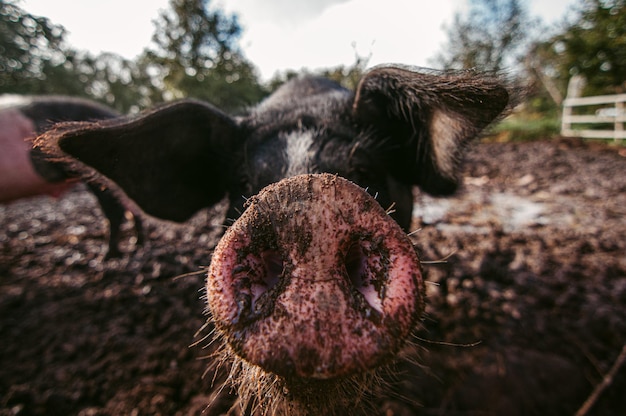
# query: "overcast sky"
{"points": [[285, 34]]}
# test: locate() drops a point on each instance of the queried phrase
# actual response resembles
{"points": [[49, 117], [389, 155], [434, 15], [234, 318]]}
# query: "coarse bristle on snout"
{"points": [[315, 282]]}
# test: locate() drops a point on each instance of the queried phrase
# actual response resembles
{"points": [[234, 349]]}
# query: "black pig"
{"points": [[43, 112], [314, 285]]}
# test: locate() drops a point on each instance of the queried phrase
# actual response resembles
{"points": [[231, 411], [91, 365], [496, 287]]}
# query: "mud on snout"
{"points": [[314, 281]]}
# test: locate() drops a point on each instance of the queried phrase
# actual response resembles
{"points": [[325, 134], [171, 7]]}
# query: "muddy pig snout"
{"points": [[315, 280]]}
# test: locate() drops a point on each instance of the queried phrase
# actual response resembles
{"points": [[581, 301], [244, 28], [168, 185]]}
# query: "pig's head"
{"points": [[315, 283]]}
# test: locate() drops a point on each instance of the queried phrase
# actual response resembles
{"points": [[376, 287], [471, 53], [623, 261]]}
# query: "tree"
{"points": [[196, 55], [591, 45], [489, 37], [27, 43], [109, 78], [594, 46], [35, 59], [347, 76]]}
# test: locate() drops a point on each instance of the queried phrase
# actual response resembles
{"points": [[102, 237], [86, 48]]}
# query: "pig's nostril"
{"points": [[355, 266], [360, 274], [273, 267], [270, 275]]}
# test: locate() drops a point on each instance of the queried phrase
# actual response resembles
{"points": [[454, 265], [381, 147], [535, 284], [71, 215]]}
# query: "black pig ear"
{"points": [[171, 161], [430, 117]]}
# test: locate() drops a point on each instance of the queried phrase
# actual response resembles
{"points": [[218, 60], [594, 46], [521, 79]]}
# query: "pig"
{"points": [[315, 285], [18, 178], [26, 173]]}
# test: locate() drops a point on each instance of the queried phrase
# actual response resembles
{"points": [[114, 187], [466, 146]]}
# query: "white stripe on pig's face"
{"points": [[315, 149], [299, 152], [280, 155]]}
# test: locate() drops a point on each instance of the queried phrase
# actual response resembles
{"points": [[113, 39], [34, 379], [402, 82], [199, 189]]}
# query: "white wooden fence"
{"points": [[603, 115]]}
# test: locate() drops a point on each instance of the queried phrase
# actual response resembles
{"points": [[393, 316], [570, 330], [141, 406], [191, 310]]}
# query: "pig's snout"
{"points": [[315, 280]]}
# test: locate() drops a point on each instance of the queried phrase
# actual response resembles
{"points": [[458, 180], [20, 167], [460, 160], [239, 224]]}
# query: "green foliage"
{"points": [[346, 75], [547, 87], [192, 35], [35, 59], [525, 127], [27, 44], [595, 47], [488, 38], [592, 44], [196, 56], [109, 78]]}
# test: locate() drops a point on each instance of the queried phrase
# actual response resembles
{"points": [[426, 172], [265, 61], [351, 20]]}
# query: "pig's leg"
{"points": [[138, 227], [114, 211]]}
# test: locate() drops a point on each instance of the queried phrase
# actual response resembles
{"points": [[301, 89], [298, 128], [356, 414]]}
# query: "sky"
{"points": [[285, 34]]}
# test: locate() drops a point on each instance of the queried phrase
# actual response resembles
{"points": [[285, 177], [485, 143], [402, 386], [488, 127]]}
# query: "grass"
{"points": [[523, 127]]}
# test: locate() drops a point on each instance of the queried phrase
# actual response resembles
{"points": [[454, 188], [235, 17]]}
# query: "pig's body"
{"points": [[18, 177], [314, 286], [26, 173]]}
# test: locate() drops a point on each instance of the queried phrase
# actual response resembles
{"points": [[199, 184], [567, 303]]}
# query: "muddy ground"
{"points": [[527, 315]]}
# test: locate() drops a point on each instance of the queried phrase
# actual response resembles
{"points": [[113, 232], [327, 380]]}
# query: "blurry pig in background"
{"points": [[316, 284], [25, 173]]}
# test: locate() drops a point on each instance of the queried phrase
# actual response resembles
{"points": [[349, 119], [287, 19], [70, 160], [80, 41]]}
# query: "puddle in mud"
{"points": [[516, 212], [480, 214]]}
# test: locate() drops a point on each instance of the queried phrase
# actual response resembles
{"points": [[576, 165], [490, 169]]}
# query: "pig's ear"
{"points": [[172, 161], [428, 117]]}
